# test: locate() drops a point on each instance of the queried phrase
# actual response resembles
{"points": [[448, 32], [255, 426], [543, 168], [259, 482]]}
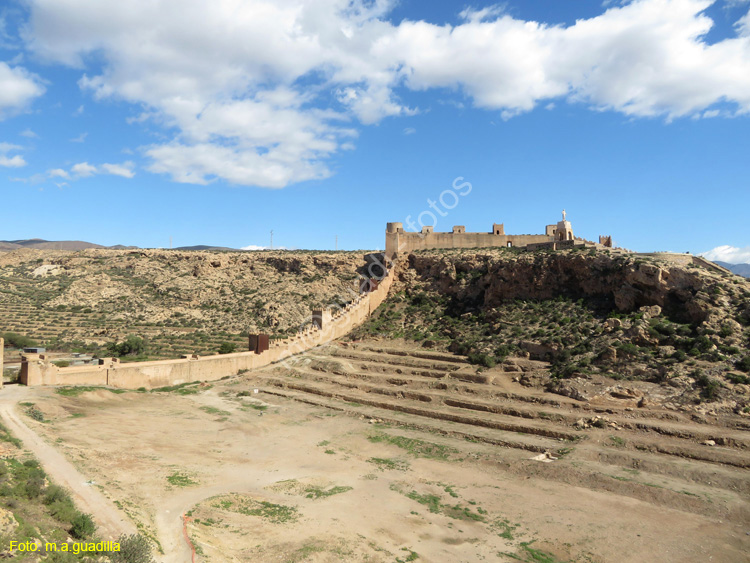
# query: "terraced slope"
{"points": [[663, 456], [178, 301]]}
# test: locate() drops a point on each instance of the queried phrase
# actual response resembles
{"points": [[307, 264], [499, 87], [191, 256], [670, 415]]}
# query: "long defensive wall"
{"points": [[38, 370]]}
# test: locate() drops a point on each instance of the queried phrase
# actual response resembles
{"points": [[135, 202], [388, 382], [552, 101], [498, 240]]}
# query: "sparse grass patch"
{"points": [[76, 391], [275, 513], [505, 528], [179, 479], [416, 447], [412, 556], [214, 410], [35, 413], [384, 463], [315, 493], [617, 441], [188, 388], [434, 504]]}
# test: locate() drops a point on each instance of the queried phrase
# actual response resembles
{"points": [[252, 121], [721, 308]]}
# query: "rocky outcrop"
{"points": [[627, 282]]}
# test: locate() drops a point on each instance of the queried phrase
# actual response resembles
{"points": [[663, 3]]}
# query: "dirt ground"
{"points": [[289, 474]]}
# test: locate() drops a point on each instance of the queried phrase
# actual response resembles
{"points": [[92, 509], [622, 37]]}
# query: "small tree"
{"points": [[227, 348], [132, 346]]}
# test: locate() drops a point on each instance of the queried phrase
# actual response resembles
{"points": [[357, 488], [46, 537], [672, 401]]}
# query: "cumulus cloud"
{"points": [[58, 173], [17, 88], [86, 170], [125, 170], [12, 162], [83, 169], [264, 92], [731, 254], [15, 161]]}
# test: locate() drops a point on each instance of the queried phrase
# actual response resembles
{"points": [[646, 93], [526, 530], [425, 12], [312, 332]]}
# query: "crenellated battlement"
{"points": [[399, 241]]}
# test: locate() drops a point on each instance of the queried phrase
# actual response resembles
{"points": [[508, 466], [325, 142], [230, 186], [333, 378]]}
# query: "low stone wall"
{"points": [[37, 370]]}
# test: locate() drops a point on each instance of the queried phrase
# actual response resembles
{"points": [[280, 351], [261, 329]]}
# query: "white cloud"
{"points": [[125, 170], [86, 170], [17, 88], [83, 169], [730, 254], [29, 134], [256, 247], [80, 138], [77, 171], [12, 162], [6, 161], [58, 173], [258, 91], [409, 131], [7, 147]]}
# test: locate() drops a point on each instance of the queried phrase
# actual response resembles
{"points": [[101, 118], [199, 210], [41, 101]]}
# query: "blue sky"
{"points": [[217, 122]]}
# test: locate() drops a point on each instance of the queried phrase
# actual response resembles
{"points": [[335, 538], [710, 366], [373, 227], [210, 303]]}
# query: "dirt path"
{"points": [[87, 497]]}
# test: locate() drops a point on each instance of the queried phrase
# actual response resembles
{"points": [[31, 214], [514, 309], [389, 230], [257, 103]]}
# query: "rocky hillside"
{"points": [[588, 313], [178, 301]]}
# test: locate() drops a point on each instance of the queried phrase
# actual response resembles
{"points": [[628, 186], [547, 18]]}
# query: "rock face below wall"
{"points": [[625, 282]]}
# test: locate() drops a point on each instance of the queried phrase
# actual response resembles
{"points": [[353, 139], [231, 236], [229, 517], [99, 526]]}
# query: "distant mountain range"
{"points": [[73, 245], [739, 269]]}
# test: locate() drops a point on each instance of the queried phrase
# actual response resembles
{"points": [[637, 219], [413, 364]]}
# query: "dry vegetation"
{"points": [[500, 406], [372, 453], [178, 301], [591, 315]]}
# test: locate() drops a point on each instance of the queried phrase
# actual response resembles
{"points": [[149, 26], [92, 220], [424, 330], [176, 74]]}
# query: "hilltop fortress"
{"points": [[558, 236]]}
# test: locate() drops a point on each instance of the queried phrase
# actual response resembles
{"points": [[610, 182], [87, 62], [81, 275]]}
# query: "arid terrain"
{"points": [[366, 452], [487, 411], [179, 302]]}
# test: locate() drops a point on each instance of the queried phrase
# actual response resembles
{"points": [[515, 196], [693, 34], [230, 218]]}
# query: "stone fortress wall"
{"points": [[399, 241], [326, 326]]}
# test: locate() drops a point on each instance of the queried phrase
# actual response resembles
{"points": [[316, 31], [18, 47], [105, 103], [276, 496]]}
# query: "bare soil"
{"points": [[368, 452]]}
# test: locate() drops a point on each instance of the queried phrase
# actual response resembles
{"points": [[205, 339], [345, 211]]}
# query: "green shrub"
{"points": [[131, 346], [709, 386], [15, 340], [64, 510], [82, 526], [679, 355], [35, 413], [738, 378], [227, 348], [54, 494], [744, 364], [133, 549], [482, 359]]}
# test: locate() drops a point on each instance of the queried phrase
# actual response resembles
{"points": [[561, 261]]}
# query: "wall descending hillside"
{"points": [[38, 370]]}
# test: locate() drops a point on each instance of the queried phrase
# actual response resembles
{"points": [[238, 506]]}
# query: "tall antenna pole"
{"points": [[271, 239], [337, 242]]}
